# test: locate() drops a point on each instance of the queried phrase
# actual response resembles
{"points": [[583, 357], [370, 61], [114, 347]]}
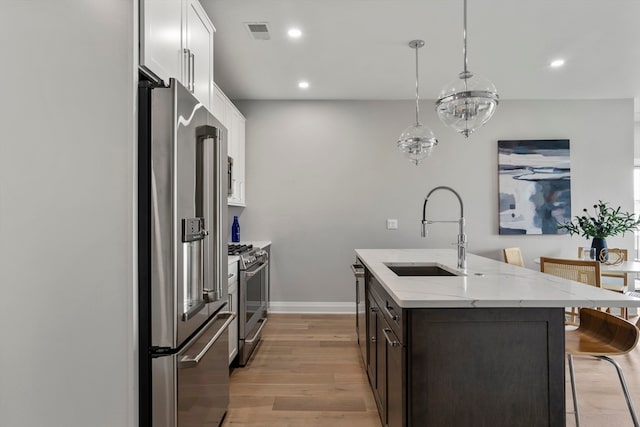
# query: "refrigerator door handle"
{"points": [[208, 142], [191, 362]]}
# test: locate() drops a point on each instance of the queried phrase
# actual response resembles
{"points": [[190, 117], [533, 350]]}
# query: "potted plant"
{"points": [[606, 222]]}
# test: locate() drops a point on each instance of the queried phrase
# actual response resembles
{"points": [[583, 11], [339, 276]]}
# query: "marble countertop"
{"points": [[257, 243], [485, 283]]}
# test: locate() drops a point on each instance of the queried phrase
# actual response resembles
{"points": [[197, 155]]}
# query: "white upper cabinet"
{"points": [[177, 41], [224, 110], [237, 140]]}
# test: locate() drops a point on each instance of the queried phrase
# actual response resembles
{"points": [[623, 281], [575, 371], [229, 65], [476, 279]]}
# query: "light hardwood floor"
{"points": [[308, 372]]}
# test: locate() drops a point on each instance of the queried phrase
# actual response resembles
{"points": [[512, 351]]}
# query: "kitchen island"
{"points": [[480, 347]]}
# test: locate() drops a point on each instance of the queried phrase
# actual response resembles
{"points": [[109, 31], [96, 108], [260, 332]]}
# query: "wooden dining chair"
{"points": [[616, 282], [614, 285], [601, 335], [587, 272], [513, 256]]}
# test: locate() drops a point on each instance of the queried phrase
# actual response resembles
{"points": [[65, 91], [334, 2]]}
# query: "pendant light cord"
{"points": [[417, 88], [464, 37]]}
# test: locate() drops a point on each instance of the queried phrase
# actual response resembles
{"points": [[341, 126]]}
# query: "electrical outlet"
{"points": [[392, 224]]}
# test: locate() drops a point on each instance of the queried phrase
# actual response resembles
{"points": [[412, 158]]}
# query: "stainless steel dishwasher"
{"points": [[361, 311]]}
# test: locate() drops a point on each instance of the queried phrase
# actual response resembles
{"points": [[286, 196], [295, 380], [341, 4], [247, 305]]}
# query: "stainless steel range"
{"points": [[252, 311], [237, 248]]}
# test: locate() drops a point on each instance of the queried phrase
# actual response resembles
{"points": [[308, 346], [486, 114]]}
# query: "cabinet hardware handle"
{"points": [[193, 73], [373, 339], [358, 270], [394, 317], [373, 309], [392, 343], [185, 53]]}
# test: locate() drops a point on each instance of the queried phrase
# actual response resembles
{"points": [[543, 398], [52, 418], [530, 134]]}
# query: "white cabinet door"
{"points": [[219, 106], [239, 129], [177, 41], [224, 110], [235, 154], [160, 37], [237, 147], [198, 36]]}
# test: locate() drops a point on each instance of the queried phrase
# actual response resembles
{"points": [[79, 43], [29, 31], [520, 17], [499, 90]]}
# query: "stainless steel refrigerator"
{"points": [[182, 257]]}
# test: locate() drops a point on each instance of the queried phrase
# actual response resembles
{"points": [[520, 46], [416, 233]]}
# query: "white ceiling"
{"points": [[358, 49]]}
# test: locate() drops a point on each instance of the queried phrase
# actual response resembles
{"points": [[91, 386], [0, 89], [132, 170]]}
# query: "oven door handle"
{"points": [[257, 334], [189, 362], [250, 274]]}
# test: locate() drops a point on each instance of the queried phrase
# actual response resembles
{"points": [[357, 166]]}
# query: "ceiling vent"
{"points": [[258, 30]]}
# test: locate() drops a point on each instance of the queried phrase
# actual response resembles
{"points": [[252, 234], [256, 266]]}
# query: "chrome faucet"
{"points": [[462, 238]]}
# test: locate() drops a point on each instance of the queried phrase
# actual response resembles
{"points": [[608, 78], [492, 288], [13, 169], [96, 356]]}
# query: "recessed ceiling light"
{"points": [[557, 63], [294, 33], [303, 85]]}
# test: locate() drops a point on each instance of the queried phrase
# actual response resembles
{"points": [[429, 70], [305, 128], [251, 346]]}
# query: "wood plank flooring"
{"points": [[308, 372]]}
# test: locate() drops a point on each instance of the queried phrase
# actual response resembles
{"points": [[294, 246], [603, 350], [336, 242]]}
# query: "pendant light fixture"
{"points": [[469, 101], [417, 141]]}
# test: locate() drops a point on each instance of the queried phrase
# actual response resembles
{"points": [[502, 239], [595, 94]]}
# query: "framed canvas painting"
{"points": [[534, 182]]}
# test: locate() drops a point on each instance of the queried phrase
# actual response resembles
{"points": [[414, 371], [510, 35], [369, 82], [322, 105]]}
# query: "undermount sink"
{"points": [[420, 270]]}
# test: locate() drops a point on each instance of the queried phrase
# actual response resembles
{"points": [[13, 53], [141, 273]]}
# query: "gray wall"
{"points": [[66, 214], [636, 109], [323, 177]]}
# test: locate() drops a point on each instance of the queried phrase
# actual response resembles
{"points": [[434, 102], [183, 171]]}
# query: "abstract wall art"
{"points": [[534, 181]]}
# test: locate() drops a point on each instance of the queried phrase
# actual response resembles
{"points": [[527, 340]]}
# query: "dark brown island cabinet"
{"points": [[454, 367]]}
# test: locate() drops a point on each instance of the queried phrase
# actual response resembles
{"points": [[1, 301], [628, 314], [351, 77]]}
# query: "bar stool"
{"points": [[601, 335]]}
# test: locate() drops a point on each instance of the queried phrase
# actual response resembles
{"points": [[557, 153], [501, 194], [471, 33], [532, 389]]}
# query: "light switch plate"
{"points": [[392, 224]]}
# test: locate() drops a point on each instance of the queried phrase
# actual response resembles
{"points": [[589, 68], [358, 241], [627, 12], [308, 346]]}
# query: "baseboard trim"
{"points": [[302, 307]]}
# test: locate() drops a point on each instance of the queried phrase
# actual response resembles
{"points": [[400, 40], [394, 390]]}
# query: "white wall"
{"points": [[66, 213], [323, 177]]}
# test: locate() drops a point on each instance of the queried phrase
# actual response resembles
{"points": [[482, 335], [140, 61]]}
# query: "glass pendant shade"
{"points": [[417, 142], [467, 103]]}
